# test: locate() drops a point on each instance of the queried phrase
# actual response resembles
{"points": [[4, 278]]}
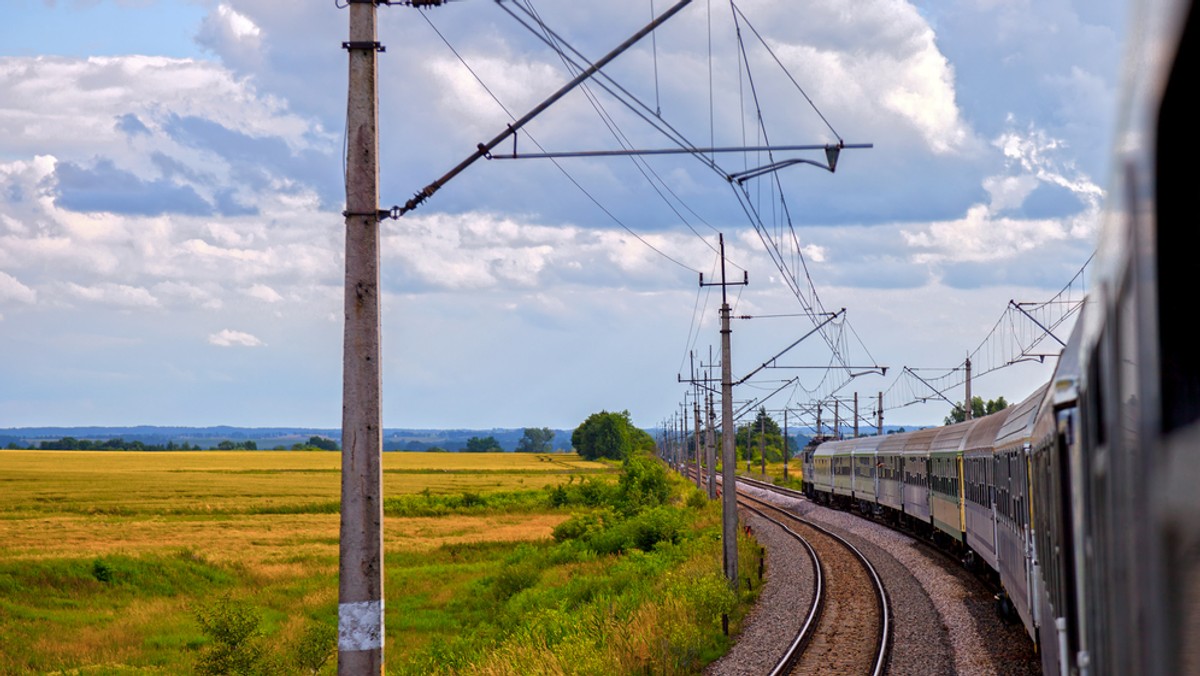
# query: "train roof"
{"points": [[834, 447], [1018, 428], [893, 443], [917, 443], [951, 437], [983, 435], [866, 445]]}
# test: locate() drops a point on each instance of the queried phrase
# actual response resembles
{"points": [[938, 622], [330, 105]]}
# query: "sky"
{"points": [[171, 238]]}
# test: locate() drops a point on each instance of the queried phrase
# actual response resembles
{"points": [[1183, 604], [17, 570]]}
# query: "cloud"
{"points": [[264, 293], [131, 125], [104, 187], [231, 338], [985, 235], [231, 35], [11, 289], [119, 295]]}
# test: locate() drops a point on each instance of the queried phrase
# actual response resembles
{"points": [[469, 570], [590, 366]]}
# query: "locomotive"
{"points": [[1083, 500]]}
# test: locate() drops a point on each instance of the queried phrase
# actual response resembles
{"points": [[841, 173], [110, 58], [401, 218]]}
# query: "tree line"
{"points": [[119, 444]]}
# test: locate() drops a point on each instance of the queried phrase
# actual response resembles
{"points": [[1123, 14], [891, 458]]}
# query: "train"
{"points": [[1083, 500]]}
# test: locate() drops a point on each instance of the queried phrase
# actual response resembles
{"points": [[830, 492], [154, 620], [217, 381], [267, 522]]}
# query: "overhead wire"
{"points": [[611, 124], [786, 71], [809, 297], [557, 165]]}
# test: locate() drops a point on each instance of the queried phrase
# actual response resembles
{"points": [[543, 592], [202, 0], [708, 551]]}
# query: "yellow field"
{"points": [[126, 483], [265, 522]]}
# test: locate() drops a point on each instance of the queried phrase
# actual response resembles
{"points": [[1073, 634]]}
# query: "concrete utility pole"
{"points": [[762, 441], [968, 402], [696, 442], [710, 443], [879, 413], [360, 560], [837, 419], [856, 415], [786, 443], [729, 517]]}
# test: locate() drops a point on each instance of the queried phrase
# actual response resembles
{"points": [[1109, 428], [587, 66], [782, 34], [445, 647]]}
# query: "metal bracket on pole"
{"points": [[369, 46]]}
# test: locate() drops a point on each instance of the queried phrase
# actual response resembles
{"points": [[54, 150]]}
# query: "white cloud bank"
{"points": [[231, 338]]}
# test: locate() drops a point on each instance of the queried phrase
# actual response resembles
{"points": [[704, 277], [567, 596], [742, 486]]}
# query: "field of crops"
{"points": [[105, 558]]}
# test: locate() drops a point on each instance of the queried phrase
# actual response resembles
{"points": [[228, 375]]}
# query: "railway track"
{"points": [[847, 628], [812, 617], [852, 627]]}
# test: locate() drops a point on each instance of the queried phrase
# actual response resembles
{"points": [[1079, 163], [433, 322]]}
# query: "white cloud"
{"points": [[230, 338], [1036, 152], [815, 253], [107, 293], [264, 293], [12, 289], [983, 235], [231, 35]]}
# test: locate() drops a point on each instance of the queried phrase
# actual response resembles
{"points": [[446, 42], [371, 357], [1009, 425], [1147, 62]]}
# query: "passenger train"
{"points": [[1084, 499]]}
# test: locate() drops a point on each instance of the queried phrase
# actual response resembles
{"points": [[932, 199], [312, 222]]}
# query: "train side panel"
{"points": [[916, 474], [979, 510], [866, 476], [1015, 552], [945, 478], [890, 463]]}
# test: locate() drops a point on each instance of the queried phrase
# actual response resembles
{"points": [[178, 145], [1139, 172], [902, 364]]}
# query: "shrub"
{"points": [[643, 484], [235, 645], [102, 571], [315, 647]]}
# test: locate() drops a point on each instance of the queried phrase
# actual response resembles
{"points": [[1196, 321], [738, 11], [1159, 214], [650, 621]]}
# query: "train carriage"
{"points": [[822, 470], [866, 476], [945, 478], [889, 463], [843, 467], [979, 512], [1015, 554], [1051, 496], [916, 474]]}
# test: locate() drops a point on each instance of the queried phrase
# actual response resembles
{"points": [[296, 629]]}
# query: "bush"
{"points": [[315, 647], [643, 484], [235, 642], [102, 571]]}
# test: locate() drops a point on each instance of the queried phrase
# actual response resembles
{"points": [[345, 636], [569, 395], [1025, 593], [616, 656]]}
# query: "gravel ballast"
{"points": [[944, 618]]}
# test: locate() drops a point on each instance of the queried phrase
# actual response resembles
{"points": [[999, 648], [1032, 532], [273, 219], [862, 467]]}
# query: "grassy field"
{"points": [[104, 556]]}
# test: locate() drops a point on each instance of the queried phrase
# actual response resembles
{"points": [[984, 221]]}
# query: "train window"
{"points": [[1175, 250]]}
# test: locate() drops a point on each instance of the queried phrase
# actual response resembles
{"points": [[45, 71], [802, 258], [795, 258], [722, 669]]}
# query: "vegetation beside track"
{"points": [[127, 562]]}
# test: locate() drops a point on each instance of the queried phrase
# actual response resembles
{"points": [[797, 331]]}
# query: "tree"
{"points": [[536, 440], [762, 428], [486, 444], [979, 408], [609, 435], [323, 443]]}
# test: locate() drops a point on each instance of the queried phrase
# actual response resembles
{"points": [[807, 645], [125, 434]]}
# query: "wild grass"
{"points": [[108, 559]]}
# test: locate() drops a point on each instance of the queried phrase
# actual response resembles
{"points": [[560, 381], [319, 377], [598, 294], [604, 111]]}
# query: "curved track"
{"points": [[811, 620], [853, 627], [852, 632]]}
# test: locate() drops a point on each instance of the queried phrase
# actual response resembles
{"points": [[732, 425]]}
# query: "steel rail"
{"points": [[801, 640], [796, 648], [885, 628]]}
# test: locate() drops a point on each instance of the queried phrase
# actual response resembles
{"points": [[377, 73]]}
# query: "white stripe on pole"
{"points": [[360, 626]]}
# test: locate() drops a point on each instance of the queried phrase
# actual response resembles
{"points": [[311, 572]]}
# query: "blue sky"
{"points": [[170, 197]]}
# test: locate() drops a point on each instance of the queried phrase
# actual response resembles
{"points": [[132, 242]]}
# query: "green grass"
{"points": [[106, 559]]}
